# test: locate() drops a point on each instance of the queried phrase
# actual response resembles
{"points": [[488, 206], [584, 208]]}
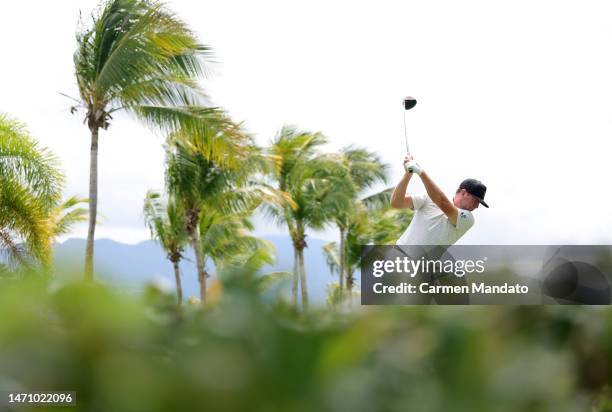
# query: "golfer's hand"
{"points": [[411, 166]]}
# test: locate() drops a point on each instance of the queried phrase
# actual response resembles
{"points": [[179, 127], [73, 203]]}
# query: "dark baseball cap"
{"points": [[476, 188]]}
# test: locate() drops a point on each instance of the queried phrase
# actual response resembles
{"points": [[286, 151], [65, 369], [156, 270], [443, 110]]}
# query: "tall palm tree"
{"points": [[137, 57], [365, 170], [30, 188], [215, 197], [165, 221], [316, 183]]}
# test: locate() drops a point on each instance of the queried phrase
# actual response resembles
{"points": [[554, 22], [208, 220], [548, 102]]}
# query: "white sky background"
{"points": [[517, 94]]}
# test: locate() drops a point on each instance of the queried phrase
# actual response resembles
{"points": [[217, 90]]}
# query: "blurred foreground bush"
{"points": [[126, 353]]}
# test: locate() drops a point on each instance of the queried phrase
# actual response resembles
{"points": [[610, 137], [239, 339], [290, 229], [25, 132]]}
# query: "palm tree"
{"points": [[216, 199], [226, 240], [355, 230], [165, 221], [372, 221], [138, 57], [30, 188], [365, 169], [316, 183]]}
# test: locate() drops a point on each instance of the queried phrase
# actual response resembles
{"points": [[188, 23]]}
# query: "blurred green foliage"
{"points": [[246, 353]]}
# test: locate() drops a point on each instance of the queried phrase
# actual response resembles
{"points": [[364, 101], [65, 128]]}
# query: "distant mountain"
{"points": [[133, 266]]}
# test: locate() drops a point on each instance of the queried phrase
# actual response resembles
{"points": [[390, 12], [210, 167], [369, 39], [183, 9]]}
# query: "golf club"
{"points": [[409, 103]]}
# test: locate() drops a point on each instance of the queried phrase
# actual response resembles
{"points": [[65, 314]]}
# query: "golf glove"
{"points": [[413, 167]]}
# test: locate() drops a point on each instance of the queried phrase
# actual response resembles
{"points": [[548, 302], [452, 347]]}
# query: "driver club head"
{"points": [[409, 103]]}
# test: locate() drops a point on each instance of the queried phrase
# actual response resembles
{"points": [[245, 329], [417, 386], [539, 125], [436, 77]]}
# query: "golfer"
{"points": [[437, 220]]}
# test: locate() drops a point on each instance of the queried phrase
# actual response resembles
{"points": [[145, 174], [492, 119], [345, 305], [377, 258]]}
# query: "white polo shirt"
{"points": [[430, 226]]}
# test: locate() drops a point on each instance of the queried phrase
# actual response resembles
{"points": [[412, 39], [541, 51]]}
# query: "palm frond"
{"points": [[166, 222], [11, 252], [203, 130], [332, 256], [27, 217], [380, 200], [30, 190], [66, 215], [22, 160], [272, 278], [365, 167], [130, 43]]}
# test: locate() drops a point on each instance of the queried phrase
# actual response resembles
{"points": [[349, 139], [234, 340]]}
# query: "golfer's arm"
{"points": [[399, 200], [439, 198]]}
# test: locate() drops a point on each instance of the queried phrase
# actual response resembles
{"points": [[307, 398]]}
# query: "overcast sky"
{"points": [[516, 94]]}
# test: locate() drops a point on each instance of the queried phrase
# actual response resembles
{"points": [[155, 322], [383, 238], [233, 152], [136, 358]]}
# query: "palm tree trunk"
{"points": [[294, 280], [342, 259], [93, 203], [195, 244], [303, 280], [179, 287]]}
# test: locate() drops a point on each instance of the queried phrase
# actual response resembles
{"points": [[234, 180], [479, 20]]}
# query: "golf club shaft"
{"points": [[406, 134], [409, 103]]}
